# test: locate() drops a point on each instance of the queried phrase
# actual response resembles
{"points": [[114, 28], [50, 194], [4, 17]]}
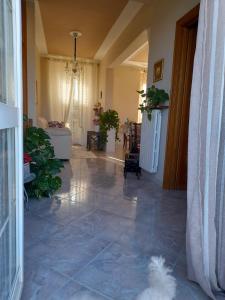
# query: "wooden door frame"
{"points": [[175, 109]]}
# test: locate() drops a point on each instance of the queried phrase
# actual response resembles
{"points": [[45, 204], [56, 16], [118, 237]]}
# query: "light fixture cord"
{"points": [[75, 49]]}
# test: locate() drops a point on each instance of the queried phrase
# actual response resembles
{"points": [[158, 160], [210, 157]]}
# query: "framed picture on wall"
{"points": [[158, 70]]}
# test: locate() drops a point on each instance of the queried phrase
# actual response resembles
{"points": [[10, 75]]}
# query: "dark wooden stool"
{"points": [[132, 164], [93, 140]]}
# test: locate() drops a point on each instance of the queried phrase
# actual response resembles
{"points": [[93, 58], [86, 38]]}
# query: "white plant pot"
{"points": [[150, 142], [96, 128], [111, 144], [26, 169]]}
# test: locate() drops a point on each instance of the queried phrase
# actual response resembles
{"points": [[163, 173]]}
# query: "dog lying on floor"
{"points": [[162, 283]]}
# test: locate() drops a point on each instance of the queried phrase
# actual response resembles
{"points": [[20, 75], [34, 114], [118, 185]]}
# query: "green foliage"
{"points": [[153, 98], [108, 120], [44, 165]]}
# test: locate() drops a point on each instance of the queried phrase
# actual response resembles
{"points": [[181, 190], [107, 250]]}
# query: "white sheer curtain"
{"points": [[206, 154], [70, 99], [59, 90], [85, 95]]}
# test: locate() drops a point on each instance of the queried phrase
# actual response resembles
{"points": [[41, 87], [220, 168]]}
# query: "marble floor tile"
{"points": [[104, 224], [97, 234], [37, 229], [119, 272], [67, 251], [187, 290], [40, 282], [75, 291], [64, 212]]}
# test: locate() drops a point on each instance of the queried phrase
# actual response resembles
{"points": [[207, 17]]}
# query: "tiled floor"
{"points": [[99, 232]]}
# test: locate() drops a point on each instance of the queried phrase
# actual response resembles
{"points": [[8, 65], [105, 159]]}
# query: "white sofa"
{"points": [[61, 139]]}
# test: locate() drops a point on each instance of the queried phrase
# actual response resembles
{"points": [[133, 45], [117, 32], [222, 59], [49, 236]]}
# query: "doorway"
{"points": [[175, 171]]}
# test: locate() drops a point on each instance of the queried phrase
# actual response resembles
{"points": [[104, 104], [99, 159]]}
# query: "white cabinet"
{"points": [[111, 144], [150, 140]]}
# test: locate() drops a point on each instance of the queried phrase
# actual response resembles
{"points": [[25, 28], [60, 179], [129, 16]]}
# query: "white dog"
{"points": [[162, 283]]}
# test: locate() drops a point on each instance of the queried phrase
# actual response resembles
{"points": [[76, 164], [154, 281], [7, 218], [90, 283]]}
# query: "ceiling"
{"points": [[139, 58], [141, 55], [94, 18]]}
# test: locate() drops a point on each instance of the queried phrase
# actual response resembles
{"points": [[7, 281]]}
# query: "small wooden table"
{"points": [[93, 140]]}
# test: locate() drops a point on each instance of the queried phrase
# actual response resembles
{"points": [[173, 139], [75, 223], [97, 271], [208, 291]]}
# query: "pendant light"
{"points": [[76, 68]]}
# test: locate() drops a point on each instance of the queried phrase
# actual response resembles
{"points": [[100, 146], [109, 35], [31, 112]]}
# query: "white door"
{"points": [[11, 152]]}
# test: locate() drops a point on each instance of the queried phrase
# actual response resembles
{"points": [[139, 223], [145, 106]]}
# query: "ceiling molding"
{"points": [[40, 39], [126, 16], [133, 48], [70, 59], [130, 58], [137, 64]]}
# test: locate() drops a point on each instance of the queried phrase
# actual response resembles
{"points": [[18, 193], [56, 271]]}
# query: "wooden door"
{"points": [[175, 172]]}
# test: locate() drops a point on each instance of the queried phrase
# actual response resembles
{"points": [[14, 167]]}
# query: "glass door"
{"points": [[11, 152]]}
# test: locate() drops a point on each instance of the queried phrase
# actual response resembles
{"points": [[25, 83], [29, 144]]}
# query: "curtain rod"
{"points": [[69, 59]]}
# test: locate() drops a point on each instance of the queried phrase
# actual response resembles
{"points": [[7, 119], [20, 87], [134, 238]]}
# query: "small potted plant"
{"points": [[109, 127], [44, 165], [98, 109], [154, 99]]}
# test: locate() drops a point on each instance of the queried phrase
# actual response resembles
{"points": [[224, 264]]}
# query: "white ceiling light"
{"points": [[76, 69]]}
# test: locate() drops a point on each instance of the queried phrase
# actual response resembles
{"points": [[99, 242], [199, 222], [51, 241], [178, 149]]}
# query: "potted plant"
{"points": [[154, 99], [109, 126], [44, 164], [98, 109]]}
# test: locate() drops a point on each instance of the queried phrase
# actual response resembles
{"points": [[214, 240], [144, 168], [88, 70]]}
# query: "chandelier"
{"points": [[75, 66]]}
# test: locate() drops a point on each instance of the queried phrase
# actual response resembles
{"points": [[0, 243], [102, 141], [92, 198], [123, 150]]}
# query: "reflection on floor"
{"points": [[98, 234]]}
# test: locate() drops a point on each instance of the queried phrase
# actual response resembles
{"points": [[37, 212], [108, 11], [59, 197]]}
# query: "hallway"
{"points": [[98, 233]]}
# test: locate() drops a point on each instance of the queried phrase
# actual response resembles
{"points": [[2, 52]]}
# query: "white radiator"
{"points": [[150, 139]]}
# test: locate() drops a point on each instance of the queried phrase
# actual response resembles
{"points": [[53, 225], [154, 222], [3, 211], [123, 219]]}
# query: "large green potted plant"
{"points": [[44, 164], [108, 120], [154, 99]]}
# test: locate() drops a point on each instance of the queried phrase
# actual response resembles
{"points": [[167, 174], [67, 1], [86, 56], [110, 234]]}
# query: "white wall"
{"points": [[126, 82], [31, 61], [38, 81], [159, 17], [161, 41], [36, 46], [41, 49]]}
